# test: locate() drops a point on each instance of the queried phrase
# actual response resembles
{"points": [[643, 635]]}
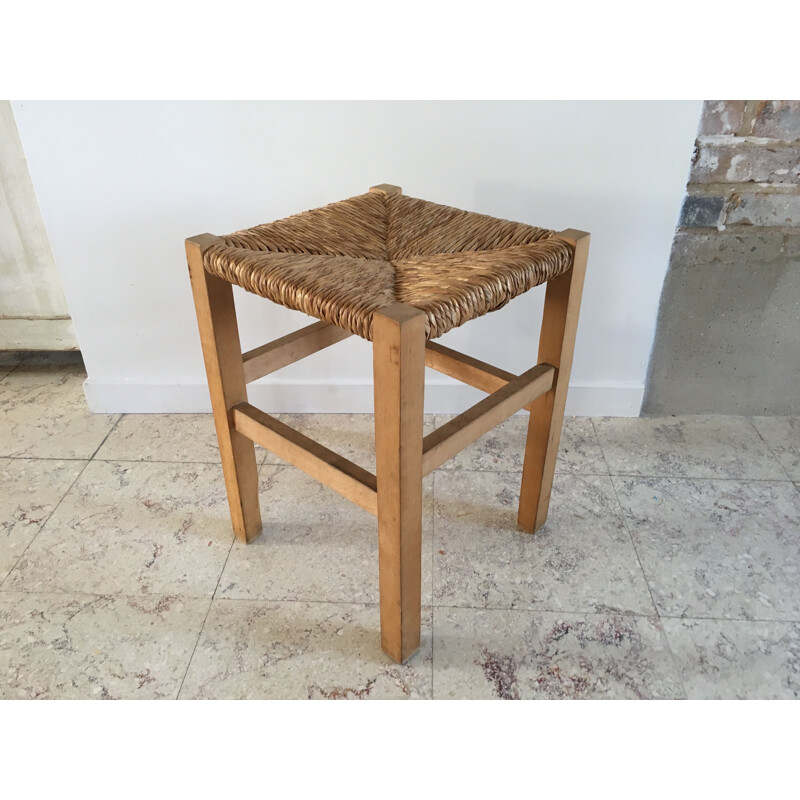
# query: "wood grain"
{"points": [[222, 352], [452, 437], [399, 375], [466, 369], [335, 471], [556, 346], [294, 346]]}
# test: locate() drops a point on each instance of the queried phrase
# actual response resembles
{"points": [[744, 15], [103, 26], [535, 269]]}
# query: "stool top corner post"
{"points": [[573, 236], [386, 188], [400, 312], [202, 241]]}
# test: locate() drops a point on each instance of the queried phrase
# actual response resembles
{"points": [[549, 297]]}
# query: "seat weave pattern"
{"points": [[343, 262]]}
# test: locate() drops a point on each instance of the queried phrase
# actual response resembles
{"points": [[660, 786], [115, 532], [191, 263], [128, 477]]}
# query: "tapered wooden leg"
{"points": [[399, 371], [556, 345], [219, 335]]}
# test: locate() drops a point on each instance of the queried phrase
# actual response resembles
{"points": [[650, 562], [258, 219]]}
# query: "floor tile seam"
{"points": [[769, 447], [48, 458], [212, 597], [109, 595], [84, 606], [376, 604], [629, 476], [578, 473], [44, 524], [205, 618], [519, 471], [155, 461], [582, 473], [709, 619], [261, 466], [575, 612], [625, 521], [105, 438], [759, 621], [433, 579], [363, 603], [124, 460], [600, 444]]}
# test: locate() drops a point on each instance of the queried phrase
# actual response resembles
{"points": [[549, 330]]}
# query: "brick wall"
{"points": [[728, 333]]}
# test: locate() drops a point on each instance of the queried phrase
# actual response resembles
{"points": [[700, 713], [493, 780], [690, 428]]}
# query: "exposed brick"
{"points": [[701, 211], [741, 162], [764, 210], [777, 119], [732, 292], [721, 117], [696, 248]]}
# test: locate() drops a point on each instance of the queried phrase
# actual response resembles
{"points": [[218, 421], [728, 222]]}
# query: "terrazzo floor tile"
{"points": [[132, 528], [62, 646], [29, 491], [260, 650], [316, 545], [735, 659], [349, 435], [519, 655], [503, 448], [722, 549], [45, 415], [686, 447], [782, 434], [165, 437], [581, 560]]}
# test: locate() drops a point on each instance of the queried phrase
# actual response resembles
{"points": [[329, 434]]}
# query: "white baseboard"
{"points": [[583, 400]]}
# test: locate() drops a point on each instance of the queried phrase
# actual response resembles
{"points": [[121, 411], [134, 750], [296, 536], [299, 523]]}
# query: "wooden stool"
{"points": [[399, 272]]}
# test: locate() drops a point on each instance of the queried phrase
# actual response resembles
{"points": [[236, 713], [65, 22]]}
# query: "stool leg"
{"points": [[399, 373], [219, 335], [556, 345]]}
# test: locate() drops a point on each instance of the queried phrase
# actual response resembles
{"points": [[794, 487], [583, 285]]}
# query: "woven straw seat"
{"points": [[343, 262]]}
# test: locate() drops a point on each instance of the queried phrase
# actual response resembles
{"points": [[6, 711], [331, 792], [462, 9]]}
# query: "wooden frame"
{"points": [[449, 440], [400, 354], [319, 462], [562, 303], [288, 349], [219, 336]]}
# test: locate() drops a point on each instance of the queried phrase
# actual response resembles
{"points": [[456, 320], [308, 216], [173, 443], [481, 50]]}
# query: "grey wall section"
{"points": [[33, 311], [728, 334]]}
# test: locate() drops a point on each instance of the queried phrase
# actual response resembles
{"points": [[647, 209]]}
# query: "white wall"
{"points": [[122, 184]]}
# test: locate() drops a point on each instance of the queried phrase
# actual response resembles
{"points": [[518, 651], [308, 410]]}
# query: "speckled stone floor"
{"points": [[669, 566]]}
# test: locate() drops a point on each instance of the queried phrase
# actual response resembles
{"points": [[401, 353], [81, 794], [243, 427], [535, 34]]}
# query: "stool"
{"points": [[399, 272]]}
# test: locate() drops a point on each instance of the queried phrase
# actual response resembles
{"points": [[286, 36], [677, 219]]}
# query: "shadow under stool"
{"points": [[399, 272]]}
